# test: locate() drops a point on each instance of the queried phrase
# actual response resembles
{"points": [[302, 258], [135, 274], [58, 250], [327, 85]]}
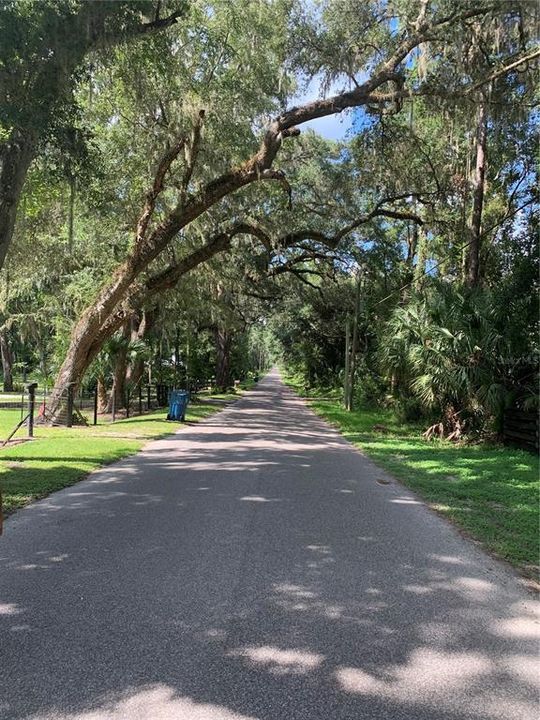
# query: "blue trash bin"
{"points": [[178, 402]]}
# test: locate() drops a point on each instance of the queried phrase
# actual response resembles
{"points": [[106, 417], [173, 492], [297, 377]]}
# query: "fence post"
{"points": [[95, 403], [140, 399], [69, 419], [127, 402], [31, 387], [148, 391]]}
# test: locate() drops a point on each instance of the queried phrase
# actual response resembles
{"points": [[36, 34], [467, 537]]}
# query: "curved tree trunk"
{"points": [[114, 304], [97, 324], [86, 341]]}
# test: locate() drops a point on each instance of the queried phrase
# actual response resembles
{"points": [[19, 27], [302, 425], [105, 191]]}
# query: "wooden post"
{"points": [[127, 402], [148, 391], [140, 399], [113, 398], [95, 403], [31, 406]]}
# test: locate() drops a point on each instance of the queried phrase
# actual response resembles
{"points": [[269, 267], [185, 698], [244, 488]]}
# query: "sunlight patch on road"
{"points": [[278, 661], [296, 591], [9, 609], [259, 499], [437, 676], [518, 627], [157, 702]]}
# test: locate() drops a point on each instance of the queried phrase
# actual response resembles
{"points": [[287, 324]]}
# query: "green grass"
{"points": [[60, 456], [490, 492]]}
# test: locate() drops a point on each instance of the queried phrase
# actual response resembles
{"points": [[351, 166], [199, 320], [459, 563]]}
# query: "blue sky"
{"points": [[333, 127]]}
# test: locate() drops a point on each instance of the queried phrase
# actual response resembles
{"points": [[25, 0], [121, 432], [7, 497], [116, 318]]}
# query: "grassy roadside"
{"points": [[59, 456], [490, 492]]}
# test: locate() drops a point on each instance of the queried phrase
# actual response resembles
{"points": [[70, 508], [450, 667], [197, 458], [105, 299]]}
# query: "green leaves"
{"points": [[463, 365]]}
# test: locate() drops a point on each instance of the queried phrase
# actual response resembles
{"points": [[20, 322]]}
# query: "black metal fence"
{"points": [[132, 401], [82, 406]]}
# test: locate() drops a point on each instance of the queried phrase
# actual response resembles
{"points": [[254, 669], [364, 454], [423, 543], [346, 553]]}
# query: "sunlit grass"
{"points": [[491, 492]]}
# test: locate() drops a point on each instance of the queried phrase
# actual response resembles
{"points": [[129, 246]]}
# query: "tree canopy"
{"points": [[162, 202]]}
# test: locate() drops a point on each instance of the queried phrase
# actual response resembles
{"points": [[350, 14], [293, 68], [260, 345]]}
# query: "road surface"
{"points": [[254, 567]]}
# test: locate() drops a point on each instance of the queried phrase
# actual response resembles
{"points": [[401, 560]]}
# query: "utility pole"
{"points": [[354, 347], [351, 345], [347, 363]]}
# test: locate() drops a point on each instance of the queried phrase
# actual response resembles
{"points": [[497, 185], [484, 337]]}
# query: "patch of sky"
{"points": [[432, 267], [361, 120], [367, 244], [333, 127]]}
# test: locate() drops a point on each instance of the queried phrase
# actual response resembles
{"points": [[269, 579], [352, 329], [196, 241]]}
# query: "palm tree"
{"points": [[449, 350]]}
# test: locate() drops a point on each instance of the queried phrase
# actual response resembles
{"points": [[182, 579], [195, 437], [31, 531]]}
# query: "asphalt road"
{"points": [[252, 567]]}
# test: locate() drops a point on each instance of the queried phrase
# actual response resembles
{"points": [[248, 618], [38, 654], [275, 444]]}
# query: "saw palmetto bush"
{"points": [[450, 350]]}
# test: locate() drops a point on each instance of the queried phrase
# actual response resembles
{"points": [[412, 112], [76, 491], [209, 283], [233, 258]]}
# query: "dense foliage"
{"points": [[176, 222]]}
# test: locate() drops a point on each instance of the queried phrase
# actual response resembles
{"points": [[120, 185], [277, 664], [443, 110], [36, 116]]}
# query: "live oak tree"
{"points": [[200, 114], [42, 49]]}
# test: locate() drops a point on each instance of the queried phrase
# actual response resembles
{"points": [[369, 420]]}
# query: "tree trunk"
{"points": [[87, 340], [412, 242], [15, 158], [347, 364], [176, 356], [118, 392], [141, 326], [223, 340], [421, 257], [71, 213], [135, 373], [478, 189], [7, 361], [354, 343], [103, 400], [97, 324], [106, 314]]}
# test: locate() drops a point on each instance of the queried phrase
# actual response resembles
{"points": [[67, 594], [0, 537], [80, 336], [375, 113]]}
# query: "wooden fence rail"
{"points": [[522, 428]]}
